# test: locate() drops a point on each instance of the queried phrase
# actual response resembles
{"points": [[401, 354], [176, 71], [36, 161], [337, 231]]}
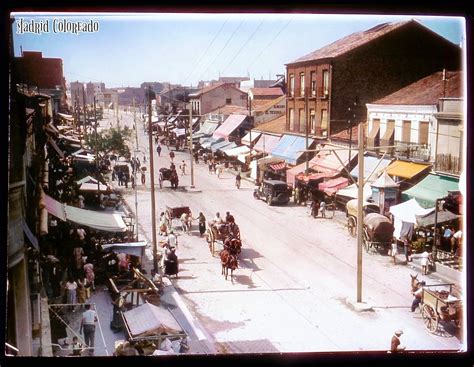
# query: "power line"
{"points": [[241, 48], [269, 44], [222, 49], [207, 49]]}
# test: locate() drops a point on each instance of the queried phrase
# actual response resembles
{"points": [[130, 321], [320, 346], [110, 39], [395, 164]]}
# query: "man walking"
{"points": [[89, 318], [158, 149]]}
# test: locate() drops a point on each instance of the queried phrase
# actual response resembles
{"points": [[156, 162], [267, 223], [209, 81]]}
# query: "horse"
{"points": [[228, 261], [219, 232], [233, 244], [414, 282]]}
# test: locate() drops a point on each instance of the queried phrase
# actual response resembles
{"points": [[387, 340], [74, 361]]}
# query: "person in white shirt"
{"points": [[89, 318]]}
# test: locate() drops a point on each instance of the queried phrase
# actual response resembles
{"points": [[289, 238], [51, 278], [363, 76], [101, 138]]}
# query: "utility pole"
{"points": [[135, 171], [191, 152], [84, 103], [306, 110], [251, 124], [360, 214], [96, 154], [149, 94]]}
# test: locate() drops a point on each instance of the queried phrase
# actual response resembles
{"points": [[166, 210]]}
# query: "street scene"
{"points": [[309, 212]]}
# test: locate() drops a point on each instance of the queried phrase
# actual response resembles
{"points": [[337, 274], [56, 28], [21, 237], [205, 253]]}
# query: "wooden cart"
{"points": [[440, 306]]}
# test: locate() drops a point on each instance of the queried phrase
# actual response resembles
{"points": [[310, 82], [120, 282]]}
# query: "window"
{"points": [[302, 120], [313, 83], [292, 85], [301, 84], [423, 131], [326, 82], [324, 119], [228, 101], [312, 120], [406, 131], [292, 118]]}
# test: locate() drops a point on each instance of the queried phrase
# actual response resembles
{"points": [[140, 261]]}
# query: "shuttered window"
{"points": [[423, 132], [406, 131]]}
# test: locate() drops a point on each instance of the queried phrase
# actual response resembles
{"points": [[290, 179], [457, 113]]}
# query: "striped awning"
{"points": [[278, 166]]}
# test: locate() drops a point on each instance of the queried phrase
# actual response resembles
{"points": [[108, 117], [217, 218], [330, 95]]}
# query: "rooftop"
{"points": [[276, 126]]}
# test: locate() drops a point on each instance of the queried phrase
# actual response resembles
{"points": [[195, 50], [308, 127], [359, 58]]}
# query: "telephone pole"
{"points": [[84, 111], [191, 152], [149, 94], [136, 168], [360, 214]]}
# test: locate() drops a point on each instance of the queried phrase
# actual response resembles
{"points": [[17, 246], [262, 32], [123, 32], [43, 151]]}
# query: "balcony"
{"points": [[323, 93], [412, 151]]}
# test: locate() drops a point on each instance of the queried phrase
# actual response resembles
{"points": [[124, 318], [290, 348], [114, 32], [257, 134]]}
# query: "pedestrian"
{"points": [[417, 296], [90, 275], [425, 259], [132, 180], [81, 292], [71, 288], [395, 344], [456, 241], [238, 178], [202, 223], [143, 177], [144, 158], [162, 225], [183, 168], [89, 318], [158, 150], [172, 240], [394, 251], [77, 348], [314, 208], [210, 167], [171, 156], [322, 207], [120, 178]]}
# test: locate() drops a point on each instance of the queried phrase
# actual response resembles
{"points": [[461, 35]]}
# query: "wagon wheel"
{"points": [[430, 318], [352, 226]]}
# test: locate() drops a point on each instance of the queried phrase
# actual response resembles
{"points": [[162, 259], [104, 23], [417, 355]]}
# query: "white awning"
{"points": [[234, 152], [88, 186], [129, 248], [66, 117], [98, 220], [246, 139]]}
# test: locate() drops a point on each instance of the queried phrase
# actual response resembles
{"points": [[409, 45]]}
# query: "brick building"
{"points": [[359, 69], [46, 74], [215, 96]]}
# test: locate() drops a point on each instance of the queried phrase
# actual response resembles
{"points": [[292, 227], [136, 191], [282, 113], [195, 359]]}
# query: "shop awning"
{"points": [[372, 137], [406, 170], [207, 129], [408, 210], [66, 117], [230, 124], [98, 220], [222, 145], [372, 168], [88, 186], [386, 139], [147, 319], [291, 147], [179, 132], [384, 181], [129, 248], [267, 143], [432, 187], [86, 179], [278, 166], [326, 163], [443, 216], [234, 152], [352, 191], [246, 139], [207, 144], [332, 186]]}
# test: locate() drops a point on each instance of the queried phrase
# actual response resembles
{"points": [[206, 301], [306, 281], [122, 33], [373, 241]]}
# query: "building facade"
{"points": [[330, 87], [215, 96]]}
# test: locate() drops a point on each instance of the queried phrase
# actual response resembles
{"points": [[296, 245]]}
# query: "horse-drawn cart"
{"points": [[378, 232], [440, 305], [173, 215], [351, 213], [167, 174]]}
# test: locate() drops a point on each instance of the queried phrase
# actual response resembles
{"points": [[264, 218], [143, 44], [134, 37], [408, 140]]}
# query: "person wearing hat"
{"points": [[395, 345], [417, 294]]}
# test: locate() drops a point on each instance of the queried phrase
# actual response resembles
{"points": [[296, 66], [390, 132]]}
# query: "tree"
{"points": [[111, 141]]}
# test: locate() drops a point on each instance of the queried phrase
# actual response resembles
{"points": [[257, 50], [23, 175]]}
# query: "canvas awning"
{"points": [[207, 129], [230, 124], [147, 320], [406, 170], [86, 179], [386, 139], [179, 132], [234, 152], [291, 147], [432, 187], [222, 145], [129, 248], [374, 132], [207, 144], [98, 220], [88, 186], [428, 220], [385, 181], [278, 166], [352, 191], [408, 210], [246, 139], [66, 117], [326, 164], [372, 168], [332, 186], [267, 143]]}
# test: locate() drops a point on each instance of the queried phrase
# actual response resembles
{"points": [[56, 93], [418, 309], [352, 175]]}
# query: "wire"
{"points": [[207, 49], [241, 48]]}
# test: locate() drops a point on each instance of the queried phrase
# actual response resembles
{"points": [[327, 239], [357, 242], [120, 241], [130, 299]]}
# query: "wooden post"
{"points": [[360, 214]]}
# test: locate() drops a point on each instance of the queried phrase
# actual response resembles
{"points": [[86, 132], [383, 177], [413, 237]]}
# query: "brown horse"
{"points": [[233, 244], [414, 282], [228, 261], [219, 232]]}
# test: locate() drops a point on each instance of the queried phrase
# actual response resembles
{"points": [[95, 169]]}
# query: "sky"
{"points": [[128, 49]]}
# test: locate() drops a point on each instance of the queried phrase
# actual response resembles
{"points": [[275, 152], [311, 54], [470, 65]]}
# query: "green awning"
{"points": [[429, 189]]}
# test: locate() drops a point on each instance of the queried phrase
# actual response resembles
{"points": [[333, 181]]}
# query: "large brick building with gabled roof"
{"points": [[359, 69]]}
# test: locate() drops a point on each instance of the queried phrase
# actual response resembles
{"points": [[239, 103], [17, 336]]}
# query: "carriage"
{"points": [[174, 214], [351, 213], [223, 234], [167, 174], [440, 306], [378, 232]]}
